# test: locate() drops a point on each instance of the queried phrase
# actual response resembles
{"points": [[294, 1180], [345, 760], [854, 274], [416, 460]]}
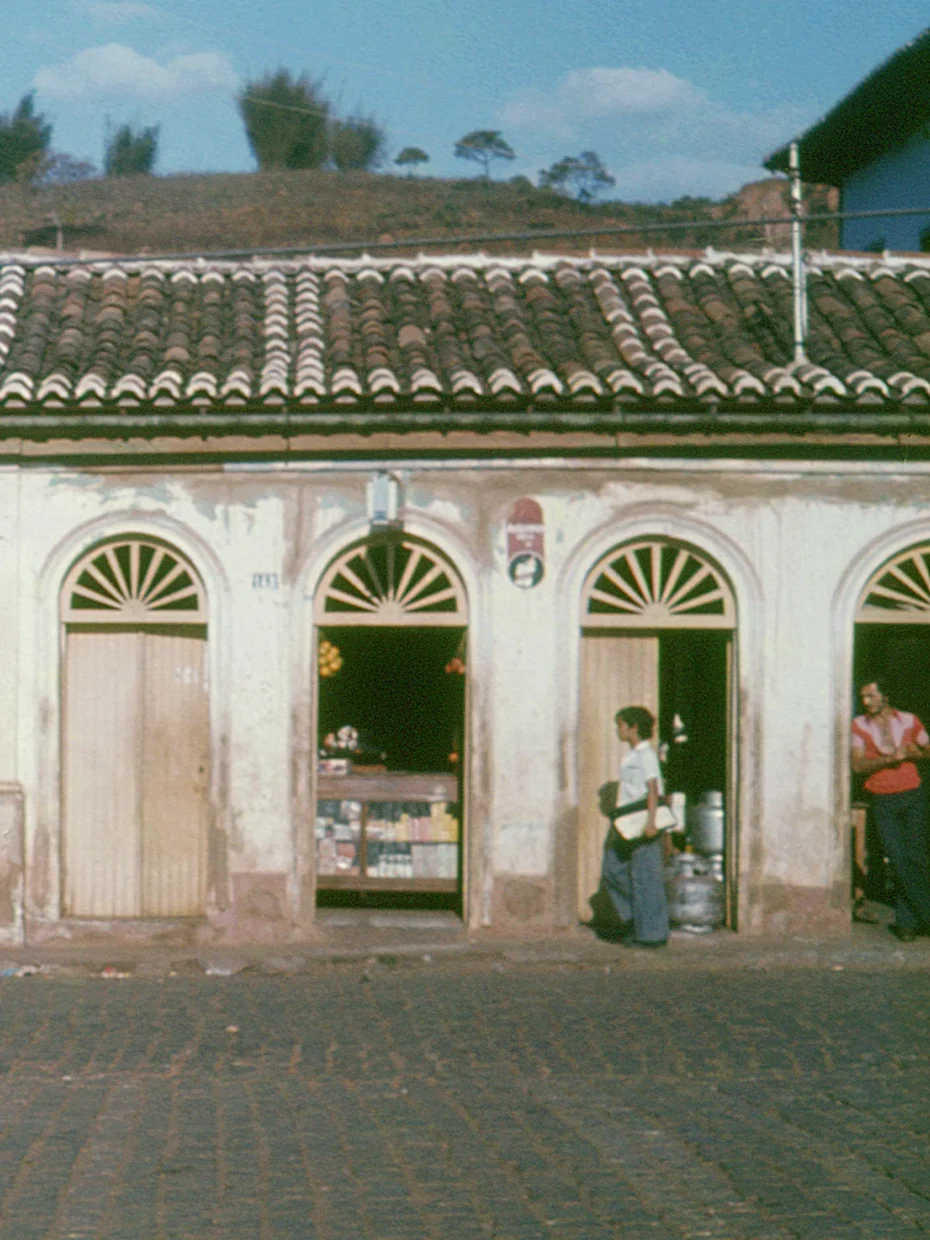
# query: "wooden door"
{"points": [[102, 767], [174, 780], [616, 671], [135, 771]]}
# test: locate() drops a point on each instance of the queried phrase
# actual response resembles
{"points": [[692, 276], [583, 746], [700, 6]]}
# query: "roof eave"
{"points": [[764, 417], [882, 112]]}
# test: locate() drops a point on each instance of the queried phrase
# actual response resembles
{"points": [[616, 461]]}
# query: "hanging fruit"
{"points": [[329, 658]]}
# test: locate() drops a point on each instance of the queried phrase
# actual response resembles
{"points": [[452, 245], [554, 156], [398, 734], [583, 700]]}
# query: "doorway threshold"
{"points": [[353, 919]]}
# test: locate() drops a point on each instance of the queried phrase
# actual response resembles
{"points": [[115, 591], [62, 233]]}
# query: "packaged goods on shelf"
{"points": [[405, 837], [448, 860], [390, 861], [443, 825], [333, 766]]}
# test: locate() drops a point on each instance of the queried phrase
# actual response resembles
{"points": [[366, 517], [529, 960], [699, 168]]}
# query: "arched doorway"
{"points": [[657, 625], [892, 640], [135, 735], [391, 624]]}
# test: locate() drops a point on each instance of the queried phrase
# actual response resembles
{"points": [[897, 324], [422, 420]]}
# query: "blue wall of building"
{"points": [[901, 178]]}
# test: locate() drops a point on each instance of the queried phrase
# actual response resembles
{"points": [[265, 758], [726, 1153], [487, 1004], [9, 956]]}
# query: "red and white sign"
{"points": [[526, 544]]}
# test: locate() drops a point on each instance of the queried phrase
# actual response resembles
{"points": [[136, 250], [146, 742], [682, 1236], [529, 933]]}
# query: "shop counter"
{"points": [[387, 831]]}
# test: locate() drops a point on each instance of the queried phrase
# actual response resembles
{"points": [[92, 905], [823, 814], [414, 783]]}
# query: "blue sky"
{"points": [[676, 96]]}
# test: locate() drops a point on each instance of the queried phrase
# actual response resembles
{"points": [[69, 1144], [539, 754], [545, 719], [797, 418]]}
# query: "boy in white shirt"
{"points": [[632, 870]]}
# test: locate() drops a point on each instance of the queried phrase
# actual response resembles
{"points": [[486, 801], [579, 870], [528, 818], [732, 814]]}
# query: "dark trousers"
{"points": [[901, 818]]}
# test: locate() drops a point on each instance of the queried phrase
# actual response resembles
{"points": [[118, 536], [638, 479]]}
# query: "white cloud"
{"points": [[598, 93], [115, 69], [116, 12], [641, 110], [612, 92]]}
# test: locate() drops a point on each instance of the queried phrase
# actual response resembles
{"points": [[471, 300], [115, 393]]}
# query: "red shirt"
{"points": [[906, 729]]}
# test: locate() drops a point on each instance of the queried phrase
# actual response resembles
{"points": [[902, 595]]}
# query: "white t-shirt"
{"points": [[637, 768]]}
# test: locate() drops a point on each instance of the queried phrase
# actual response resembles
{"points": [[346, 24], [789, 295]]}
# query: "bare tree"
{"points": [[59, 168]]}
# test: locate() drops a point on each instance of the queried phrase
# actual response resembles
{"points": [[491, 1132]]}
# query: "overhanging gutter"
{"points": [[121, 426]]}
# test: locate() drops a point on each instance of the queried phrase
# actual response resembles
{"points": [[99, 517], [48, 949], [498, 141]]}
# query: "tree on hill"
{"points": [[59, 168], [409, 157], [286, 120], [24, 138], [582, 175], [484, 146], [131, 152], [356, 143]]}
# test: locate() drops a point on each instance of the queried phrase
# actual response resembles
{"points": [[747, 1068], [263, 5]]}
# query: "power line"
{"points": [[542, 234], [284, 107]]}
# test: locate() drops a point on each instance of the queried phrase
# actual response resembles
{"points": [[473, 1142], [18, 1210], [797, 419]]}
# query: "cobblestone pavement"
{"points": [[465, 1099]]}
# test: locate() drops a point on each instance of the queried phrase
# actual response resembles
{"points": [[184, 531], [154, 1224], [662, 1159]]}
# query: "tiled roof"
{"points": [[453, 334]]}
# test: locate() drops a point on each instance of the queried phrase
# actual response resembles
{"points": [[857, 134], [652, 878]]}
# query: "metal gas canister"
{"points": [[695, 894], [707, 822]]}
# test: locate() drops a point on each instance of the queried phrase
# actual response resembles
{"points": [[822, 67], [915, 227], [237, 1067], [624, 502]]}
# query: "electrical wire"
{"points": [[546, 234]]}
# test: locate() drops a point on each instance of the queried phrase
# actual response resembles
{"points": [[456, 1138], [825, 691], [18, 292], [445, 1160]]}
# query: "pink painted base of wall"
{"points": [[521, 906], [776, 909], [258, 911], [89, 933], [258, 914]]}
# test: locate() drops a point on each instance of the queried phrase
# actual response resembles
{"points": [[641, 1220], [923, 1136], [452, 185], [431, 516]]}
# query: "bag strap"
{"points": [[634, 807]]}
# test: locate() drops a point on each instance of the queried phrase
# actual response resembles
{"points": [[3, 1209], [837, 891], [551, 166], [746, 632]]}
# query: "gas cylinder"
{"points": [[695, 894], [707, 823]]}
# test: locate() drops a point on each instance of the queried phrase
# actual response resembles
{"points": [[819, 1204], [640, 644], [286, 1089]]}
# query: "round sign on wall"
{"points": [[526, 570], [526, 545]]}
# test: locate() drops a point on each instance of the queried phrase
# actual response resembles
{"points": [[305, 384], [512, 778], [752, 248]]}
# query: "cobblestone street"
{"points": [[468, 1098]]}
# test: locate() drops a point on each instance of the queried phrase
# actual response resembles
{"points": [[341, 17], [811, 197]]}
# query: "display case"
{"points": [[387, 831]]}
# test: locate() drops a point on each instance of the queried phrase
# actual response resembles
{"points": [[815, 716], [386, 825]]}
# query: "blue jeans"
{"points": [[901, 818], [634, 879]]}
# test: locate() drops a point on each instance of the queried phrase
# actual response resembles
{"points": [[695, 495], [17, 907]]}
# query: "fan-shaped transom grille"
{"points": [[899, 593], [656, 584], [133, 581], [391, 581]]}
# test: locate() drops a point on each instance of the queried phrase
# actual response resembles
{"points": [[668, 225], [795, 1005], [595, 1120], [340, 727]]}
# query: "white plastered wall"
{"points": [[64, 515], [797, 551], [797, 543]]}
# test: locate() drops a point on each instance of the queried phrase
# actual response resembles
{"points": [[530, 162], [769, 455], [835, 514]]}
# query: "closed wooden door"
{"points": [[616, 671], [136, 778]]}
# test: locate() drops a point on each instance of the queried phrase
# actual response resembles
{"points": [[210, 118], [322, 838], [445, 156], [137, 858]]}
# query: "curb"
{"points": [[869, 947]]}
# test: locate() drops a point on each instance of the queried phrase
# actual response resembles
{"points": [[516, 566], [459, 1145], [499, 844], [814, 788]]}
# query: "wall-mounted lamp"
{"points": [[384, 502]]}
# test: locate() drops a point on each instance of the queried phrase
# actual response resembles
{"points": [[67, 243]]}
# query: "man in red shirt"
{"points": [[885, 744]]}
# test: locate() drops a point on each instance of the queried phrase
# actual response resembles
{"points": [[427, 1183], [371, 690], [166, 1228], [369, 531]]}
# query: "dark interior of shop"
{"points": [[693, 710], [900, 654], [393, 688], [403, 691]]}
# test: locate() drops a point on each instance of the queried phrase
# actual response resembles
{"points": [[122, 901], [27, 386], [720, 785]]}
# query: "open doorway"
{"points": [[391, 663], [694, 711], [658, 632], [900, 654], [892, 641]]}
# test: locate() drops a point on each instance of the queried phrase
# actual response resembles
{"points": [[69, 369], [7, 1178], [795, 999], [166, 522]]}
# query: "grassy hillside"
{"points": [[199, 213]]}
